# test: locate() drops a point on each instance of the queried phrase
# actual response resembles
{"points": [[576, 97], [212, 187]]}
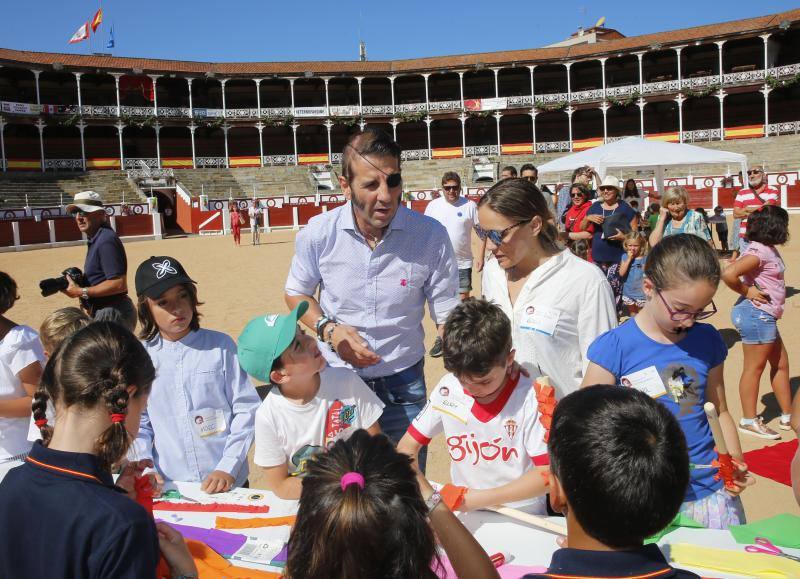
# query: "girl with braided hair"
{"points": [[66, 513]]}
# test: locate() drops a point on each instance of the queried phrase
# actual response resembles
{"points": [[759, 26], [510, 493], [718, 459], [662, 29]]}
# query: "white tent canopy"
{"points": [[639, 152]]}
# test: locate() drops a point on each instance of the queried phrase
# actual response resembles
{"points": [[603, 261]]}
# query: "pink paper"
{"points": [[505, 571]]}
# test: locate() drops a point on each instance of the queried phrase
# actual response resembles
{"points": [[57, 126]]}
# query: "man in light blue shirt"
{"points": [[375, 264]]}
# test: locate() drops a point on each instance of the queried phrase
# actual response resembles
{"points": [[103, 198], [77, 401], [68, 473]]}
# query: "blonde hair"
{"points": [[636, 236], [674, 194], [59, 325]]}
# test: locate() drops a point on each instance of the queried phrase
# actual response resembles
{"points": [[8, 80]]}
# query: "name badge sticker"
{"points": [[454, 404], [540, 319], [208, 421], [646, 380]]}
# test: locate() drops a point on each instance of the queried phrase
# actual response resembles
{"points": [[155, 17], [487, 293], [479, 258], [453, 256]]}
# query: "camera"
{"points": [[56, 284]]}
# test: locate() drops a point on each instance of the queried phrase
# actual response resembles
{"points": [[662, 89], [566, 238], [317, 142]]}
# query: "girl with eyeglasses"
{"points": [[557, 303], [664, 352]]}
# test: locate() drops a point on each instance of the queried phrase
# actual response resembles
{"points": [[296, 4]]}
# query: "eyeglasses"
{"points": [[495, 236], [573, 195], [755, 172], [448, 187], [677, 316]]}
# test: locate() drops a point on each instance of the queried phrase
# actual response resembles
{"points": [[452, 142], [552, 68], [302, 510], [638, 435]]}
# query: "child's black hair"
{"points": [[769, 225], [477, 338], [622, 461], [8, 292]]}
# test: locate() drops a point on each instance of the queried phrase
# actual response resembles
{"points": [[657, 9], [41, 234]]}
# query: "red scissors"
{"points": [[766, 547]]}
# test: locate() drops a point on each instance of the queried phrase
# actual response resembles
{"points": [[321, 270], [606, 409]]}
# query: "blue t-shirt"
{"points": [[683, 369], [602, 249], [632, 287]]}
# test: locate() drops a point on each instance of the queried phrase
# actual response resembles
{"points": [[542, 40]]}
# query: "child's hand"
{"points": [[756, 295], [175, 551], [130, 472], [217, 482], [741, 479]]}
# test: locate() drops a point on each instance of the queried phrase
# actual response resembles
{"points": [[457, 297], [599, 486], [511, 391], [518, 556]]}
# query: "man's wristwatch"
{"points": [[322, 321], [85, 293]]}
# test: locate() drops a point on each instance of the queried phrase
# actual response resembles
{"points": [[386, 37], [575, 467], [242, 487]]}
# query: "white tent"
{"points": [[639, 152]]}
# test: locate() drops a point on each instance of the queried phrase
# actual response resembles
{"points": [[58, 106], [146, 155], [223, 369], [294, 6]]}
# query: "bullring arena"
{"points": [[171, 144]]}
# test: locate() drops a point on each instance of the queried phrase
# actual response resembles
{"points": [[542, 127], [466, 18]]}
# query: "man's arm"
{"points": [[441, 288], [109, 287]]}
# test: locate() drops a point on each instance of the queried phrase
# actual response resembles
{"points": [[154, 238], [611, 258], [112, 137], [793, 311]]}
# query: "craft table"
{"points": [[496, 533]]}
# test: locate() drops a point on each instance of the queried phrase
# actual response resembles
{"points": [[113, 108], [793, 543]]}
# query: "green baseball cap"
{"points": [[265, 338]]}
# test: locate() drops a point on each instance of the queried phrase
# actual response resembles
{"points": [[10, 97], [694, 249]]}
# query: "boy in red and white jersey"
{"points": [[489, 413]]}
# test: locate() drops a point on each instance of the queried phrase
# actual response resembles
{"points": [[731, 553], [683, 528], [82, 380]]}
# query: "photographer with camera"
{"points": [[103, 288]]}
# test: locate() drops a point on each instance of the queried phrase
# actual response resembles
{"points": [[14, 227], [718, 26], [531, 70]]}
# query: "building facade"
{"points": [[723, 81]]}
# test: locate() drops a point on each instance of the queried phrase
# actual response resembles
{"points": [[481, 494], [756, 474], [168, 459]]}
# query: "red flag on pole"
{"points": [[98, 18], [81, 34]]}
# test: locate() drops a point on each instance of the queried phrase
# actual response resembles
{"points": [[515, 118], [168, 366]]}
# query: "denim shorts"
{"points": [[465, 280], [755, 326]]}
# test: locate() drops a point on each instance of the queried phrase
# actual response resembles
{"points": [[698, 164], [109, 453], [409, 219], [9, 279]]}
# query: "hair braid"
{"points": [[114, 441], [39, 409]]}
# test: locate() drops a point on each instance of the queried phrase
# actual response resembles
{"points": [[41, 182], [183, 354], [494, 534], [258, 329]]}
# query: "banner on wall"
{"points": [[491, 104], [310, 111], [20, 108], [345, 111]]}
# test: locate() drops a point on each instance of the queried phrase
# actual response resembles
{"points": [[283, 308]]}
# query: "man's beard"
{"points": [[756, 182]]}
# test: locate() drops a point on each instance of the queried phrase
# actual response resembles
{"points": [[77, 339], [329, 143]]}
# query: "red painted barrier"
{"points": [[6, 234], [280, 216], [31, 231], [134, 225], [66, 230], [306, 212]]}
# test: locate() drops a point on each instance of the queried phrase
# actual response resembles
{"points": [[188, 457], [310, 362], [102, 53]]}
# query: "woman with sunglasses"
{"points": [[576, 213], [665, 353], [557, 303], [607, 239]]}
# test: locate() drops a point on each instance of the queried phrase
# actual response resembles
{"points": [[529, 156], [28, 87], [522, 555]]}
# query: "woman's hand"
{"points": [[597, 219], [618, 236], [662, 213]]}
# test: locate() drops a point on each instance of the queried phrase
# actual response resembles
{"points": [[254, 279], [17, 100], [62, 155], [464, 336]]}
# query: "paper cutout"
{"points": [[680, 520], [260, 551], [209, 507], [226, 544], [281, 558], [254, 522], [505, 571], [546, 400], [783, 530], [210, 565], [453, 496], [726, 469]]}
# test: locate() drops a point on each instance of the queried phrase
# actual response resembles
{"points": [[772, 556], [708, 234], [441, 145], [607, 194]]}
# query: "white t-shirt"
{"points": [[459, 220], [489, 445], [18, 349], [564, 305], [293, 433], [254, 212]]}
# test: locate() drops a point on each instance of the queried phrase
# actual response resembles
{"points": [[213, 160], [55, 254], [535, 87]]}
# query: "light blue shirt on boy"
{"points": [[380, 292], [200, 416]]}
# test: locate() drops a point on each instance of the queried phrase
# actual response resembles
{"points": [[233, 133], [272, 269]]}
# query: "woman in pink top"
{"points": [[758, 277]]}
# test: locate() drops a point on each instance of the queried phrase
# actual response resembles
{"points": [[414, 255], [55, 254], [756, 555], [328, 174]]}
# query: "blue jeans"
{"points": [[404, 395], [755, 326]]}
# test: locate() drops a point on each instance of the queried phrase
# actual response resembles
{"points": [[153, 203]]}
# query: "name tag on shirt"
{"points": [[209, 421], [540, 319], [647, 381], [454, 404]]}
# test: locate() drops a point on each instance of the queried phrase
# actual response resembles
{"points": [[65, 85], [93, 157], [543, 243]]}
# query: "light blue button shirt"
{"points": [[380, 292], [199, 374]]}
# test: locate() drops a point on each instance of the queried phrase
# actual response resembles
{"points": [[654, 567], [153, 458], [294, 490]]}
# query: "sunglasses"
{"points": [[677, 316], [78, 213], [495, 236], [447, 187], [755, 172], [531, 177], [573, 195]]}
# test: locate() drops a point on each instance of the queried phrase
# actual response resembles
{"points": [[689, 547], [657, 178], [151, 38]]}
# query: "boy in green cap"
{"points": [[310, 405]]}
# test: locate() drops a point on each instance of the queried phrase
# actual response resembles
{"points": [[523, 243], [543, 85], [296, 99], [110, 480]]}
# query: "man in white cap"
{"points": [[105, 296]]}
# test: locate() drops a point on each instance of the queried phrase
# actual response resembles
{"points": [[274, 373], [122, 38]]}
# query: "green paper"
{"points": [[680, 520], [783, 530]]}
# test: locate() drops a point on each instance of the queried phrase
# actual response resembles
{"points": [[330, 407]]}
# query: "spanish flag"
{"points": [[98, 18]]}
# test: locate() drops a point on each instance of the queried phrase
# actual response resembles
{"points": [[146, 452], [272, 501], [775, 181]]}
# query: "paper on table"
{"points": [[783, 530], [237, 496], [222, 542], [739, 563], [505, 571], [258, 551], [680, 520]]}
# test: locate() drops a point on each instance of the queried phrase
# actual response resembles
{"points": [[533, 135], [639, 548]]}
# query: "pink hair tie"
{"points": [[350, 478]]}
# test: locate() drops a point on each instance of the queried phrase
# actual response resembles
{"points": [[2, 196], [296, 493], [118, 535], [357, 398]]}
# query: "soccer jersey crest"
{"points": [[510, 426]]}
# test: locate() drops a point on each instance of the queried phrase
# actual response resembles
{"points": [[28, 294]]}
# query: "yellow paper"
{"points": [[738, 563]]}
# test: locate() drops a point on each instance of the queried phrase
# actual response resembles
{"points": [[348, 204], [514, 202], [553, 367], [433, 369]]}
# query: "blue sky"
{"points": [[251, 30]]}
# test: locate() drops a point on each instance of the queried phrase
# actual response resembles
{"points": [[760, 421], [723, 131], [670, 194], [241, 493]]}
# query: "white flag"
{"points": [[81, 34]]}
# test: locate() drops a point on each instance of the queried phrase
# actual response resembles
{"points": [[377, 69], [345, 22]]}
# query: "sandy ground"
{"points": [[238, 283]]}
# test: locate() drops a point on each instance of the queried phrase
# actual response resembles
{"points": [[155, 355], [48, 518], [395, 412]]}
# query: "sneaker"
{"points": [[436, 350], [785, 425], [758, 429]]}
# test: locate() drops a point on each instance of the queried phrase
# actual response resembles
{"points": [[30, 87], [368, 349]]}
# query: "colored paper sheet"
{"points": [[736, 563], [211, 566], [280, 558], [505, 571], [783, 530], [773, 462], [208, 507], [259, 551], [680, 520], [224, 543], [253, 522]]}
